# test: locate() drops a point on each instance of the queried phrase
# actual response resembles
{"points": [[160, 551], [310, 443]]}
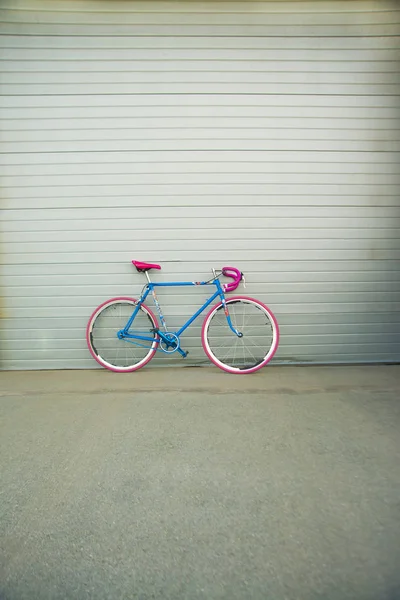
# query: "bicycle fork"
{"points": [[229, 320]]}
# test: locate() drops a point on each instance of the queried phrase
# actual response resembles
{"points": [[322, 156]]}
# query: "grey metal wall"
{"points": [[259, 134]]}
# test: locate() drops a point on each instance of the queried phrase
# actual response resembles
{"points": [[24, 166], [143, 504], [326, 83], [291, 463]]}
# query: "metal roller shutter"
{"points": [[197, 134]]}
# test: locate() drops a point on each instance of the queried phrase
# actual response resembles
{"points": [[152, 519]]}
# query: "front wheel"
{"points": [[122, 355], [256, 346]]}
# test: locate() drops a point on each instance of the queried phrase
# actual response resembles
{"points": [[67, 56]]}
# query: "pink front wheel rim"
{"points": [[219, 363], [102, 361]]}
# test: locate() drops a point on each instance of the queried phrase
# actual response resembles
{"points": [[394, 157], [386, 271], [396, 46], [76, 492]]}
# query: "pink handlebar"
{"points": [[235, 274]]}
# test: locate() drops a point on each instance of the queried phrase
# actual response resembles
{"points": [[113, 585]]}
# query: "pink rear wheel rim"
{"points": [[142, 357]]}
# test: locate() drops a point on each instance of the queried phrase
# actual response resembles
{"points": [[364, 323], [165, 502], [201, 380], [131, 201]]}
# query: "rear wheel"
{"points": [[256, 346], [122, 355]]}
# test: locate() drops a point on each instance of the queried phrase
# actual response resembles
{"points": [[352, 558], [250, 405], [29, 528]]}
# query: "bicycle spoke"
{"points": [[250, 352], [254, 344], [227, 353], [116, 356]]}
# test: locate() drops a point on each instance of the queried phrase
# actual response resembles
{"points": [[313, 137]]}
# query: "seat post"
{"points": [[148, 278]]}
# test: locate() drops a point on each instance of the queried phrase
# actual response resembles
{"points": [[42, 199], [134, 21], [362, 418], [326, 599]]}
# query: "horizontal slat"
{"points": [[216, 133], [134, 29], [56, 328], [305, 345], [369, 116], [216, 256], [280, 160], [147, 145], [205, 53], [217, 223], [312, 289], [205, 233], [146, 68], [161, 101], [46, 308], [174, 189], [232, 88], [345, 223], [197, 212], [206, 167], [199, 268], [362, 172], [343, 333], [209, 77], [160, 6], [267, 126], [269, 249], [194, 245], [20, 276], [306, 309], [296, 324], [271, 138], [147, 183], [86, 200], [200, 14], [93, 36], [188, 42]]}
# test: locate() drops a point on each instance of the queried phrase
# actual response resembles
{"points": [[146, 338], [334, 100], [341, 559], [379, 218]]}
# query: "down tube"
{"points": [[190, 321]]}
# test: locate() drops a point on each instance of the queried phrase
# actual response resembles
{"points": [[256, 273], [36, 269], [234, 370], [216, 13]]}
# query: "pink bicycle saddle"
{"points": [[142, 266]]}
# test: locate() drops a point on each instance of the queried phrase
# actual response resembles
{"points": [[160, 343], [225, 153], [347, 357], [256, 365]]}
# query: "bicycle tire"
{"points": [[105, 346], [240, 355]]}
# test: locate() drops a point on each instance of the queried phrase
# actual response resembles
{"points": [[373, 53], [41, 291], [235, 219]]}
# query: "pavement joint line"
{"points": [[200, 390]]}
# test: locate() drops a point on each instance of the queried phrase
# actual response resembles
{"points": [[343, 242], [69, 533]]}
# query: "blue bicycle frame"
{"points": [[169, 337]]}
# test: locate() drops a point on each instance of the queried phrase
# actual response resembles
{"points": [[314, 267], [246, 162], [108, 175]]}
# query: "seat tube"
{"points": [[156, 302]]}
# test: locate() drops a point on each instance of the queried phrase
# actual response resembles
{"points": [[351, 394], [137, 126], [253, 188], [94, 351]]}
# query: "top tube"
{"points": [[183, 283]]}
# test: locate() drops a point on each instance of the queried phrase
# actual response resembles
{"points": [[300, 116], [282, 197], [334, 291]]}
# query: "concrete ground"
{"points": [[191, 483]]}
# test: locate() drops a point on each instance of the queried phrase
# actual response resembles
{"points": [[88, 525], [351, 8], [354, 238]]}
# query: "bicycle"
{"points": [[123, 334]]}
